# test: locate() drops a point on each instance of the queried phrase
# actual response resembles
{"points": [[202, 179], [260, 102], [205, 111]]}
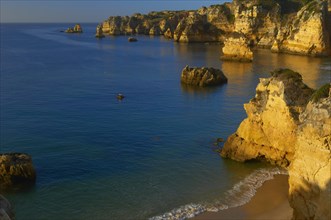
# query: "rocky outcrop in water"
{"points": [[16, 171], [99, 32], [76, 29], [271, 116], [290, 26], [154, 23], [6, 210], [202, 76], [237, 48], [289, 124]]}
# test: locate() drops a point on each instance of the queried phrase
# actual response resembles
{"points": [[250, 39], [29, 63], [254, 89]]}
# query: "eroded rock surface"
{"points": [[289, 26], [202, 76], [289, 124], [307, 33], [16, 171], [310, 171], [269, 131], [237, 48]]}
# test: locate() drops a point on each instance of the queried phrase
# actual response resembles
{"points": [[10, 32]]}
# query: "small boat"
{"points": [[132, 39], [120, 96]]}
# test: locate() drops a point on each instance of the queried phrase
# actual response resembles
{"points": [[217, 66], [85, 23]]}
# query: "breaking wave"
{"points": [[240, 194]]}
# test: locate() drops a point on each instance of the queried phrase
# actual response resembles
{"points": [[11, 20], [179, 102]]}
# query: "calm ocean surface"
{"points": [[98, 158]]}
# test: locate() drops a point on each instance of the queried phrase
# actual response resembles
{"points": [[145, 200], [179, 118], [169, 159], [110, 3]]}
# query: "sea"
{"points": [[151, 155]]}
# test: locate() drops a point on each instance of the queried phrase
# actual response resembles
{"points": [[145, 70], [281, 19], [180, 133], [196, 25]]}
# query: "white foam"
{"points": [[327, 67], [240, 194]]}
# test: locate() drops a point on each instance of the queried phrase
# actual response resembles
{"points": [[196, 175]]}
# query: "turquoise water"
{"points": [[97, 157]]}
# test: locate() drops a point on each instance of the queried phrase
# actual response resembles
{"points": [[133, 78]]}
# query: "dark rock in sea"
{"points": [[76, 29], [132, 39], [6, 210], [16, 171], [202, 76], [99, 32], [120, 96]]}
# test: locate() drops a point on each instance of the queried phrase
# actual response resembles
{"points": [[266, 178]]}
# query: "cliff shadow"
{"points": [[309, 200]]}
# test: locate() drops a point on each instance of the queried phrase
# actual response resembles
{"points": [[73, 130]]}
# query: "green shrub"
{"points": [[285, 74], [322, 92]]}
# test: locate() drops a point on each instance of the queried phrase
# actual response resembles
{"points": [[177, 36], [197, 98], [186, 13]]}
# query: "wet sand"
{"points": [[269, 203]]}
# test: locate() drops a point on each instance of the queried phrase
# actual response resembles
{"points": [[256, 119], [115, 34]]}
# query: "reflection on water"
{"points": [[308, 67], [199, 91]]}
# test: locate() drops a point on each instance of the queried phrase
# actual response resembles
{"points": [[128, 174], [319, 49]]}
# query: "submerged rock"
{"points": [[6, 209], [16, 171], [202, 76]]}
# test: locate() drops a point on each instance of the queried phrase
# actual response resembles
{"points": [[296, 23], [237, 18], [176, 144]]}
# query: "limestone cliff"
{"points": [[290, 26], [290, 125], [271, 116], [307, 33], [310, 171], [237, 48]]}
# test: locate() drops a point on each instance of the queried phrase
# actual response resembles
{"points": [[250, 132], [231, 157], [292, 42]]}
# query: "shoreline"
{"points": [[270, 202]]}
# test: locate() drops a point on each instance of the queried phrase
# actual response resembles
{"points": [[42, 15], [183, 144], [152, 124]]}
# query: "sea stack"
{"points": [[202, 76], [76, 29]]}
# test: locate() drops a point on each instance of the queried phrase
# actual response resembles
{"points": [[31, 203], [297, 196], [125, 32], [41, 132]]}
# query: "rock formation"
{"points": [[6, 210], [76, 29], [290, 125], [16, 171], [310, 171], [99, 32], [272, 115], [307, 33], [202, 76], [237, 48], [290, 26]]}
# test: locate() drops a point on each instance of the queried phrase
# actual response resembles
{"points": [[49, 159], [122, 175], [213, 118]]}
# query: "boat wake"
{"points": [[240, 194]]}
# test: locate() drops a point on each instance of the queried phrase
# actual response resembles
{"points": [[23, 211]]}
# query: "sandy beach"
{"points": [[269, 203]]}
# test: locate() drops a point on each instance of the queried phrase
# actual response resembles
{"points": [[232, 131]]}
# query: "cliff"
{"points": [[237, 48], [289, 124], [310, 171], [290, 26], [307, 33]]}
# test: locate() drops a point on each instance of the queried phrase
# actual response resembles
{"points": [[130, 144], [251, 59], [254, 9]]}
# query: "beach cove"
{"points": [[139, 158]]}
